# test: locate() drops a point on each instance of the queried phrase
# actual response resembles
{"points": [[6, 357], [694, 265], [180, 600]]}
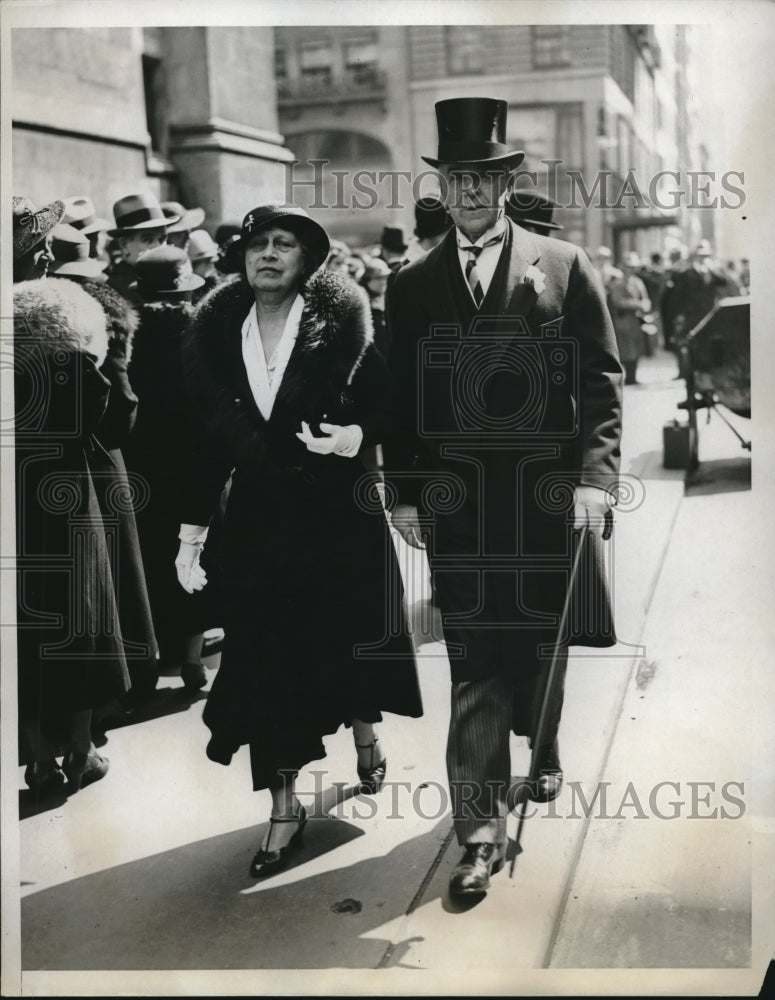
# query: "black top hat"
{"points": [[165, 272], [530, 207], [473, 130], [286, 216], [431, 218], [394, 239]]}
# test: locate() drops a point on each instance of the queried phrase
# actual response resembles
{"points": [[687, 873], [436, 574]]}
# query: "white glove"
{"points": [[191, 576], [592, 509], [343, 441], [407, 524]]}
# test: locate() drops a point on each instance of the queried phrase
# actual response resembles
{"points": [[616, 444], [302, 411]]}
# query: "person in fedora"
{"points": [[532, 210], [158, 449], [141, 225], [203, 252], [393, 245], [283, 370], [71, 252], [517, 396], [81, 214], [183, 221], [32, 228], [629, 302]]}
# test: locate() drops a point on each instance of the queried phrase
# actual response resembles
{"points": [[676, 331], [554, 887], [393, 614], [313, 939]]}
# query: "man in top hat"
{"points": [[141, 225], [393, 246], [431, 223], [81, 214], [32, 227], [182, 222], [508, 402], [532, 210]]}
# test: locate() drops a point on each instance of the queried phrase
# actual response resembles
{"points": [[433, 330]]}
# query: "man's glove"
{"points": [[592, 509]]}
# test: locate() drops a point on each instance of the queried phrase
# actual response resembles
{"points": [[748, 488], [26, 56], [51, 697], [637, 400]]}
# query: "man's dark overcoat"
{"points": [[500, 414], [315, 632]]}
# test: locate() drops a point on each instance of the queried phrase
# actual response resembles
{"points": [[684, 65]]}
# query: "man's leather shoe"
{"points": [[549, 781], [472, 874]]}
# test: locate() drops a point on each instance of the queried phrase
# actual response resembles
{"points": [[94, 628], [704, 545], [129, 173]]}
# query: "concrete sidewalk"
{"points": [[148, 869]]}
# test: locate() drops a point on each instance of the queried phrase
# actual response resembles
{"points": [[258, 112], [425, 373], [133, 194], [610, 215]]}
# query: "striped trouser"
{"points": [[478, 757]]}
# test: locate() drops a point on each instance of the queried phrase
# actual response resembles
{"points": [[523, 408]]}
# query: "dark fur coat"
{"points": [[69, 644], [315, 633]]}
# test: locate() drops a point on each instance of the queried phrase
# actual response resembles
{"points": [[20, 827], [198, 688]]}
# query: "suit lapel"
{"points": [[517, 296]]}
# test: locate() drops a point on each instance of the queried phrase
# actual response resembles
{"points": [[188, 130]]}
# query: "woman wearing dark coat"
{"points": [[315, 633], [70, 652], [158, 449], [118, 494]]}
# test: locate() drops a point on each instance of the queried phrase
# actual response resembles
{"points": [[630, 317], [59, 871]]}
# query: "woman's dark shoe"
{"points": [[373, 776], [194, 676], [43, 776], [82, 769], [268, 862]]}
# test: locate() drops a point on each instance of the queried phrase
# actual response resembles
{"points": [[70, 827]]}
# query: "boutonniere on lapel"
{"points": [[536, 278]]}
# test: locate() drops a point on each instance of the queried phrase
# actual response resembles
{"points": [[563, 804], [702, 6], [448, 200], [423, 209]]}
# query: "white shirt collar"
{"points": [[495, 230]]}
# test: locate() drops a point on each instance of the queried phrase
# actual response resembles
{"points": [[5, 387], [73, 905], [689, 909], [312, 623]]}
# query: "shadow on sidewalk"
{"points": [[196, 907]]}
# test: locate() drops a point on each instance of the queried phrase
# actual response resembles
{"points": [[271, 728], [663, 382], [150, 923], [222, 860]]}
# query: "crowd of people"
{"points": [[660, 302], [199, 425]]}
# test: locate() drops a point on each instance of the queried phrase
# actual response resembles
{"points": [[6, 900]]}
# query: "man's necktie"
{"points": [[472, 275]]}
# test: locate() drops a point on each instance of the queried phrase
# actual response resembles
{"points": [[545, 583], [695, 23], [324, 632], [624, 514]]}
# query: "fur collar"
{"points": [[59, 315], [121, 317], [334, 332]]}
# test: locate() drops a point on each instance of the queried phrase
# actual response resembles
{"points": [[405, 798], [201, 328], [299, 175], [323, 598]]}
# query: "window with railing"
{"points": [[465, 49], [551, 46]]}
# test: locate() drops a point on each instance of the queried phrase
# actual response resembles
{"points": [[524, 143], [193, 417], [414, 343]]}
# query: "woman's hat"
{"points": [[375, 268], [394, 239], [71, 254], [180, 219], [32, 225], [165, 271], [472, 130], [81, 214], [139, 211], [201, 246], [531, 207], [288, 216]]}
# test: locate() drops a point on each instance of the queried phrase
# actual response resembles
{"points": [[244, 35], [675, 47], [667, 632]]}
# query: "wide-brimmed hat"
{"points": [[165, 272], [201, 246], [472, 130], [182, 220], [71, 248], [81, 214], [31, 225], [431, 218], [394, 239], [288, 216], [139, 211], [530, 207]]}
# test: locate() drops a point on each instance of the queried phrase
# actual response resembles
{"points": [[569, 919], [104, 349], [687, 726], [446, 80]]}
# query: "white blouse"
{"points": [[265, 375]]}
